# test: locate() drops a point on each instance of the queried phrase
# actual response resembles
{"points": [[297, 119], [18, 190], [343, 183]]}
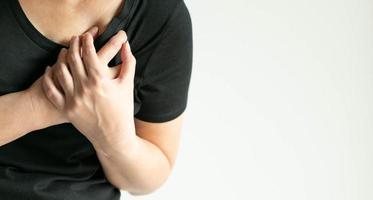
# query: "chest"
{"points": [[59, 21]]}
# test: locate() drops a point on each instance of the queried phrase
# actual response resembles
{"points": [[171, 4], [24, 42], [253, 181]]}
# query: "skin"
{"points": [[83, 90]]}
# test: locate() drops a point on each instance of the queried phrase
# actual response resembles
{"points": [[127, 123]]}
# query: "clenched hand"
{"points": [[81, 85]]}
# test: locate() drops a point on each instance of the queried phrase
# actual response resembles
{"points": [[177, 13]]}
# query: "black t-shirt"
{"points": [[58, 162]]}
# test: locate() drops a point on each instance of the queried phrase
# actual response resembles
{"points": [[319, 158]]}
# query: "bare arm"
{"points": [[19, 113], [143, 166], [15, 112]]}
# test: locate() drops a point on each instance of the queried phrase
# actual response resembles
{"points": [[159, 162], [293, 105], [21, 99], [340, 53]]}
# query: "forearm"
{"points": [[16, 117], [26, 111], [138, 167]]}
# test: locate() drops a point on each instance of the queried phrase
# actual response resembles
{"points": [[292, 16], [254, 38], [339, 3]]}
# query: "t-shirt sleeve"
{"points": [[164, 87]]}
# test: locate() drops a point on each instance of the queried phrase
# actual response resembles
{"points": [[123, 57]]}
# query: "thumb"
{"points": [[128, 66], [111, 48]]}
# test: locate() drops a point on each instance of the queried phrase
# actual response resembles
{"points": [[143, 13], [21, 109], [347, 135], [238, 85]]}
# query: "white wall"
{"points": [[281, 103]]}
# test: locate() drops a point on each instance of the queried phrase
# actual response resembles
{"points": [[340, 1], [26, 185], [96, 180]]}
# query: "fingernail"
{"points": [[63, 50], [96, 29], [85, 36]]}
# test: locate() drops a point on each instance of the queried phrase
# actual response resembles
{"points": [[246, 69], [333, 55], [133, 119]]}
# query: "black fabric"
{"points": [[58, 162]]}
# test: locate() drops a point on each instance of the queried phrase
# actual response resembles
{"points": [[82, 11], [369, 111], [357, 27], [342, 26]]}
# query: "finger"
{"points": [[90, 59], [128, 66], [55, 80], [112, 47], [65, 79], [93, 31], [75, 62], [61, 58], [50, 90], [62, 55]]}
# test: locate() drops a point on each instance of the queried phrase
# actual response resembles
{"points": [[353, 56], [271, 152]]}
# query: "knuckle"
{"points": [[95, 82], [74, 58], [62, 55], [83, 82], [57, 68], [86, 50], [119, 38], [60, 75], [95, 73], [113, 43], [117, 42], [78, 103], [62, 80], [54, 98], [49, 92], [73, 104], [64, 68], [83, 91]]}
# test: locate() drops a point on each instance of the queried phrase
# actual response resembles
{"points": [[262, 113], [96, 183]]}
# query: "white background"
{"points": [[280, 105]]}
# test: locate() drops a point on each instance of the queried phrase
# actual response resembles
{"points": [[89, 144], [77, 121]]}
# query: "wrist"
{"points": [[42, 111], [29, 107]]}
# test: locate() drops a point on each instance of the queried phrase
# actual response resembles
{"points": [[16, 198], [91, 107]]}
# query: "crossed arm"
{"points": [[136, 157]]}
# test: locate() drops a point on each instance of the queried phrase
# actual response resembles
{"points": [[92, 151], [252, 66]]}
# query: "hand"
{"points": [[44, 109], [98, 105]]}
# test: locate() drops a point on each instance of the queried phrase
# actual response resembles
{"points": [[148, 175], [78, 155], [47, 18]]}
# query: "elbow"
{"points": [[143, 190], [146, 187], [147, 184]]}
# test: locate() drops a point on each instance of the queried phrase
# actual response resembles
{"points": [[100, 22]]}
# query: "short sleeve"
{"points": [[164, 86]]}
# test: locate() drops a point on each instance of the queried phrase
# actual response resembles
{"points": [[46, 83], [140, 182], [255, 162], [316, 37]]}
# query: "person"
{"points": [[92, 96]]}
